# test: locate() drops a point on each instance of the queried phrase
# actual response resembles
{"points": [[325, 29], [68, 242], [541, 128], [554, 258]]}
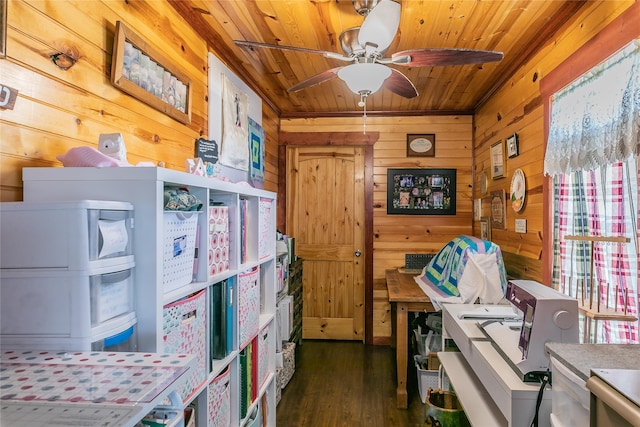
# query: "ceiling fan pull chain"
{"points": [[363, 99]]}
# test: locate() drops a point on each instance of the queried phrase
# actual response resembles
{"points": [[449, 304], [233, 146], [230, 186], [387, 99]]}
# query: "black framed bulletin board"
{"points": [[421, 191]]}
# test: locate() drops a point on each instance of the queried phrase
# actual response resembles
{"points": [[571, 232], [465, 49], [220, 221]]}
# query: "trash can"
{"points": [[444, 409]]}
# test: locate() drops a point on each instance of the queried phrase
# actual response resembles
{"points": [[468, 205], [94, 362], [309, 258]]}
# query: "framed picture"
{"points": [[421, 145], [485, 228], [144, 73], [512, 146], [498, 210], [484, 183], [477, 209], [497, 160], [421, 191]]}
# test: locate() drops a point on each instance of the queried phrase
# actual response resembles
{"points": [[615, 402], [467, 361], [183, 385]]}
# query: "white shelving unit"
{"points": [[487, 387], [144, 188]]}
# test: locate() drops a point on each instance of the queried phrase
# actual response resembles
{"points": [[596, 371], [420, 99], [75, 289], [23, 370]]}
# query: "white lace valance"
{"points": [[596, 120]]}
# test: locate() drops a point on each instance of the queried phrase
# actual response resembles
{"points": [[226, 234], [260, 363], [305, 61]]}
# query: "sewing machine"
{"points": [[546, 316]]}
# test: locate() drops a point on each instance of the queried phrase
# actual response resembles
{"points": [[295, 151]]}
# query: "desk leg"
{"points": [[394, 326], [401, 354]]}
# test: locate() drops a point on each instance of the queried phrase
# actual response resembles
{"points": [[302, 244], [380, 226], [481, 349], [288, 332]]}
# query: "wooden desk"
{"points": [[404, 296]]}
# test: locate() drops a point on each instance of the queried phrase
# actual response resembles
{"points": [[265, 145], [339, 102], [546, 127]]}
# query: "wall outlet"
{"points": [[521, 225]]}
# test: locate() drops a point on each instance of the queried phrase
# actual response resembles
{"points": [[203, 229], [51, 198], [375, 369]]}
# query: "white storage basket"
{"points": [[179, 248]]}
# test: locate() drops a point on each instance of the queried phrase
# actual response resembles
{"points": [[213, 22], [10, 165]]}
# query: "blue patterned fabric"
{"points": [[446, 268]]}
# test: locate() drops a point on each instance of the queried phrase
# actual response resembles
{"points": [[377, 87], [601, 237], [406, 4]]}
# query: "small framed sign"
{"points": [[498, 210], [497, 160], [485, 228], [421, 145], [512, 146]]}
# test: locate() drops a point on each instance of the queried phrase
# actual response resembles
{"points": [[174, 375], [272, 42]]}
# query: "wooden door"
{"points": [[325, 214]]}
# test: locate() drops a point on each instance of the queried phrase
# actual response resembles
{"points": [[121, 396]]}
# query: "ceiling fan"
{"points": [[365, 47]]}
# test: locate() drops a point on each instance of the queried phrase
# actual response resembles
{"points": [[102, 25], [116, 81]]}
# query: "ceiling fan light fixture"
{"points": [[363, 7], [380, 26], [364, 77]]}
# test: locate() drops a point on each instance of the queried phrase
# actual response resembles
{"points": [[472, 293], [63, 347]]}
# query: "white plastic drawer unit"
{"points": [[75, 235], [75, 308]]}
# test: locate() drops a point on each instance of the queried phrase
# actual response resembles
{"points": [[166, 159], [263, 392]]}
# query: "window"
{"points": [[592, 158]]}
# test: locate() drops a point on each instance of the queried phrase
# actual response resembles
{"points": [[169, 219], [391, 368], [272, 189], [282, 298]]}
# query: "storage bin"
{"points": [[111, 295], [219, 402], [570, 399], [427, 343], [289, 362], [121, 341], [184, 331], [263, 355], [77, 235], [65, 310], [218, 239], [248, 306], [266, 234], [426, 378], [179, 248]]}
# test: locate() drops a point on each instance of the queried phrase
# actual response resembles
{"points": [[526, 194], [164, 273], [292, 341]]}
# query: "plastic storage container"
{"points": [[218, 239], [179, 248], [65, 310], [75, 235], [219, 405], [426, 378], [571, 398], [184, 326], [248, 306]]}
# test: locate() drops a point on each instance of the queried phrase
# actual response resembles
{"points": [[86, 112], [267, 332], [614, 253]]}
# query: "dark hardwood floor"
{"points": [[347, 383]]}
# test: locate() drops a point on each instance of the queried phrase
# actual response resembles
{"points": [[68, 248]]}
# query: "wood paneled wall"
{"points": [[396, 235], [57, 110], [518, 108]]}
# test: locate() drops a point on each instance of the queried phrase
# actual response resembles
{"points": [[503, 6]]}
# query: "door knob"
{"points": [[358, 253]]}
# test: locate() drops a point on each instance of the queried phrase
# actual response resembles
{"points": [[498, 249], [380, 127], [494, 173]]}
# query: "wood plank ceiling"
{"points": [[515, 27]]}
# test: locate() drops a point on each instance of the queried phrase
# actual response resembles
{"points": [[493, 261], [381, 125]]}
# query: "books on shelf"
{"points": [[218, 320]]}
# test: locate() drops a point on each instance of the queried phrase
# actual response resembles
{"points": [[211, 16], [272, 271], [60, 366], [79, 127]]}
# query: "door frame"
{"points": [[287, 139]]}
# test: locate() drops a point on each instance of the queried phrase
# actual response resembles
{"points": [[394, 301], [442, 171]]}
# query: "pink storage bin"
{"points": [[218, 239], [248, 306], [184, 327], [266, 238], [263, 356], [219, 403]]}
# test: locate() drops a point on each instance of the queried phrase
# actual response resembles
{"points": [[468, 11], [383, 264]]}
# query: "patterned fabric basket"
{"points": [[266, 238], [218, 239], [219, 407], [248, 306], [263, 356], [184, 331]]}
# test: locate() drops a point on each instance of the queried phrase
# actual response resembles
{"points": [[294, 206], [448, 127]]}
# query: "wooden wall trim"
{"points": [[328, 138], [346, 139], [368, 244], [376, 113], [613, 37]]}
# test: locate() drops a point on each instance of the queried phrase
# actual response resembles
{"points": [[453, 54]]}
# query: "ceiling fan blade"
{"points": [[438, 57], [399, 84], [315, 80], [380, 26], [326, 54]]}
